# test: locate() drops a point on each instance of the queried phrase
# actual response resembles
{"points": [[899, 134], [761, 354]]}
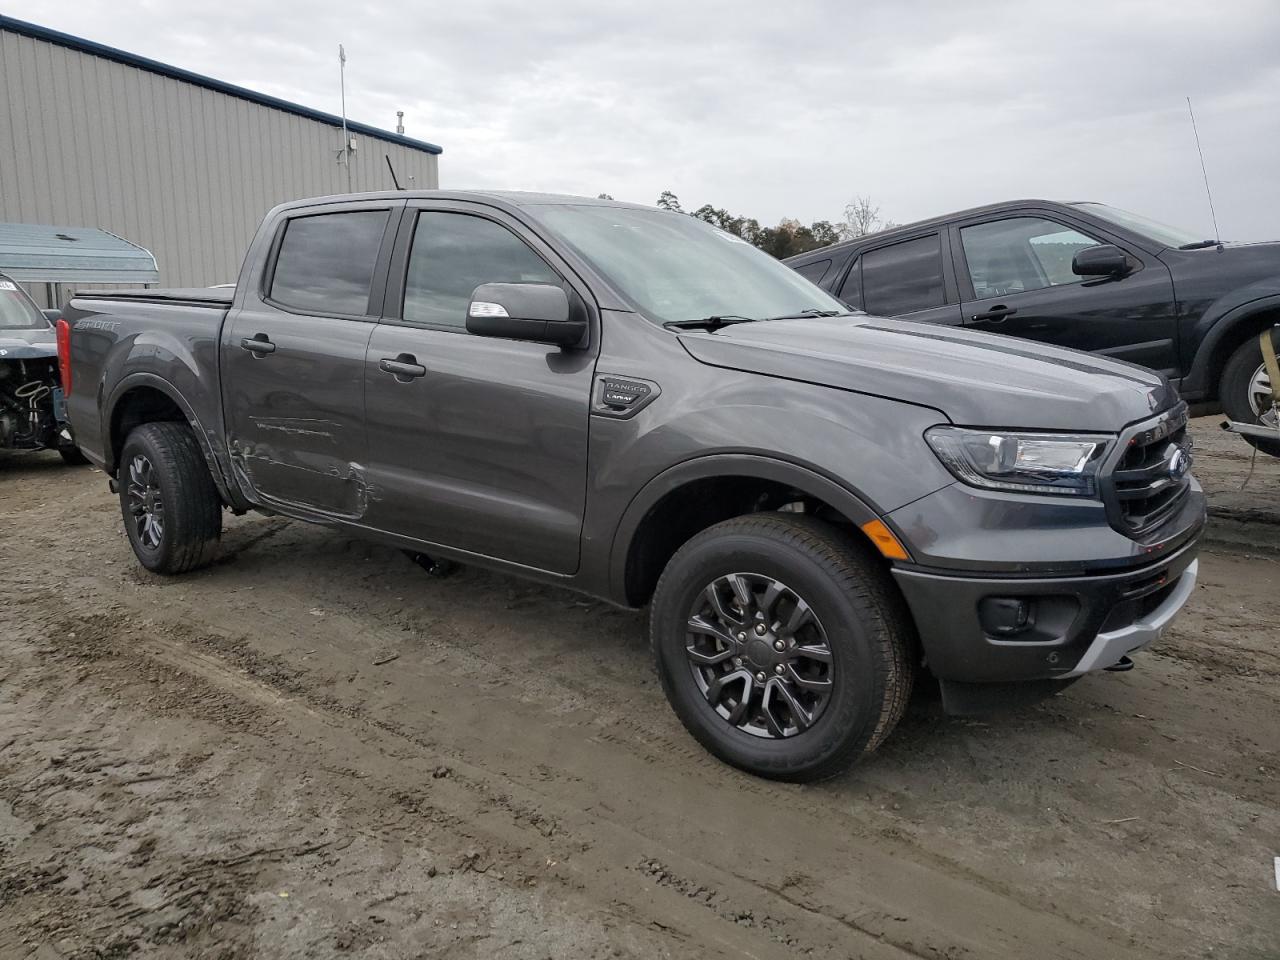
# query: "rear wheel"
{"points": [[172, 513], [782, 645], [1245, 393]]}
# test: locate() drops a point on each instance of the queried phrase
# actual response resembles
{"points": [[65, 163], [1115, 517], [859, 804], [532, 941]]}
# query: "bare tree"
{"points": [[860, 218]]}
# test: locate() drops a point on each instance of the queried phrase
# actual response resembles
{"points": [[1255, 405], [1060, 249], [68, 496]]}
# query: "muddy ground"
{"points": [[313, 749]]}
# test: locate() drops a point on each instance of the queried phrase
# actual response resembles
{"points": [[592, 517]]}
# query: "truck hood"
{"points": [[27, 344], [975, 379]]}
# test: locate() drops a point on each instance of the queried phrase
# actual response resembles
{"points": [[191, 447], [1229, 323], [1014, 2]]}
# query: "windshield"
{"points": [[675, 267], [1159, 232], [17, 312]]}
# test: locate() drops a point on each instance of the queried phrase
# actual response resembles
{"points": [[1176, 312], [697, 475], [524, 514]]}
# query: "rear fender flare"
{"points": [[203, 437]]}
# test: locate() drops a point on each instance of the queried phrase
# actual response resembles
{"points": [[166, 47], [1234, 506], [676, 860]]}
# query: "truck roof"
{"points": [[513, 198], [938, 221]]}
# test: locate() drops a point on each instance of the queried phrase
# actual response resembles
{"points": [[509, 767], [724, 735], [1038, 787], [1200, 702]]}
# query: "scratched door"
{"points": [[293, 365]]}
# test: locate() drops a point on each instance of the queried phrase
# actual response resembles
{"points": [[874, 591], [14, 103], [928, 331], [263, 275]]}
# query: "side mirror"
{"points": [[53, 316], [537, 312], [1102, 260]]}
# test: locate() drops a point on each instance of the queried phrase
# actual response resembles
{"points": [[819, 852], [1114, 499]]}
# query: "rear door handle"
{"points": [[404, 367], [996, 313], [258, 344]]}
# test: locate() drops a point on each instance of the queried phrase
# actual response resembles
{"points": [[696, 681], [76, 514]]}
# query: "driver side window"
{"points": [[452, 254], [1020, 254]]}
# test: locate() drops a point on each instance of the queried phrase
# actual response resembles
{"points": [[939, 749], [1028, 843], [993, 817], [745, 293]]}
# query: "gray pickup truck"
{"points": [[625, 401]]}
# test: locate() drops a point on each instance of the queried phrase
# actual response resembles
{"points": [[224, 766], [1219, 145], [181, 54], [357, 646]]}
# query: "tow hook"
{"points": [[1121, 666]]}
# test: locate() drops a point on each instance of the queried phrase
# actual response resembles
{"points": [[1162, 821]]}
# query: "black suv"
{"points": [[1082, 275]]}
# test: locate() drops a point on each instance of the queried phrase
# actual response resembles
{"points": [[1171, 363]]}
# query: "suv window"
{"points": [[325, 264], [813, 272], [452, 254], [1020, 254], [903, 278], [851, 289]]}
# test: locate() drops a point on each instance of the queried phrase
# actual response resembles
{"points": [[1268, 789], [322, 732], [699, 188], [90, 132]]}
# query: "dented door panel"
{"points": [[296, 413]]}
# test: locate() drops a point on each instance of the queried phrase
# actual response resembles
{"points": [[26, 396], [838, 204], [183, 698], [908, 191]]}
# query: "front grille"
{"points": [[1152, 475]]}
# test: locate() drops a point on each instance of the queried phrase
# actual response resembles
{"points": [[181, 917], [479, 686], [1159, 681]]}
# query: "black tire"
{"points": [[854, 603], [72, 456], [178, 479], [1235, 387]]}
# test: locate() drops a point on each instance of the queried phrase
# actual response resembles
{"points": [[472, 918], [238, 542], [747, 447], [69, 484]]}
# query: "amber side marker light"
{"points": [[884, 540]]}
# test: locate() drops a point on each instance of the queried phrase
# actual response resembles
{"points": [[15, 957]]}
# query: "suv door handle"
{"points": [[405, 367], [996, 313], [258, 344]]}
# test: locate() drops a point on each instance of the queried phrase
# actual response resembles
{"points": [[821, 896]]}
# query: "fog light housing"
{"points": [[1006, 617]]}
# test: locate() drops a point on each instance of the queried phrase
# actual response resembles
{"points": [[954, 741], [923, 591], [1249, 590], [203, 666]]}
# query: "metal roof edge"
{"points": [[38, 32]]}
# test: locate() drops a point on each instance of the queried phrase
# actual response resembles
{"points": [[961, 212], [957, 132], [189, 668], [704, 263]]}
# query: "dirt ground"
{"points": [[313, 749]]}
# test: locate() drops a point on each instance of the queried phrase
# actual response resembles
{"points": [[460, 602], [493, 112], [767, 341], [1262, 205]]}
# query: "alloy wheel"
{"points": [[759, 655], [1260, 397], [146, 506]]}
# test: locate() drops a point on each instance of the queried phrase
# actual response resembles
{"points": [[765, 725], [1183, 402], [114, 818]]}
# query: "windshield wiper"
{"points": [[709, 323], [810, 312], [1199, 244]]}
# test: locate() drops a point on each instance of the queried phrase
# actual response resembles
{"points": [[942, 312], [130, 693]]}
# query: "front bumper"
{"points": [[1077, 624]]}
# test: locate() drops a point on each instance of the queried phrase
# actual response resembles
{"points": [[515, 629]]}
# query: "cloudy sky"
{"points": [[776, 109]]}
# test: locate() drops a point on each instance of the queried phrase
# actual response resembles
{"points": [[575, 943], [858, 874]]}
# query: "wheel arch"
{"points": [[691, 496], [1225, 337], [148, 398]]}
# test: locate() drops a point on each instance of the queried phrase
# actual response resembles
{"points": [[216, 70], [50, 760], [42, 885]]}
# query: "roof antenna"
{"points": [[345, 155], [1216, 234], [392, 169]]}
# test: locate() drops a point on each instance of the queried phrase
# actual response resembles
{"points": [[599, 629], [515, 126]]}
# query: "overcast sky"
{"points": [[776, 109]]}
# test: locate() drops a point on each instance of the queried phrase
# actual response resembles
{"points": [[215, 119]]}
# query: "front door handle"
{"points": [[404, 367], [996, 313], [259, 344]]}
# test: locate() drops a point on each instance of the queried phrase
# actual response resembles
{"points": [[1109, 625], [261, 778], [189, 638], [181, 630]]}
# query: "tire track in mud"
{"points": [[971, 912]]}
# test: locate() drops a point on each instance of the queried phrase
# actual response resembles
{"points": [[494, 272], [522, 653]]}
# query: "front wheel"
{"points": [[783, 645], [1245, 393], [172, 513]]}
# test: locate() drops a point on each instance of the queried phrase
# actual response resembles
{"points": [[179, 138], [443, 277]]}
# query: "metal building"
{"points": [[184, 165]]}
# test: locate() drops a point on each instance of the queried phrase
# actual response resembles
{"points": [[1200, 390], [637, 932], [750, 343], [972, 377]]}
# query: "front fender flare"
{"points": [[804, 479], [1197, 378]]}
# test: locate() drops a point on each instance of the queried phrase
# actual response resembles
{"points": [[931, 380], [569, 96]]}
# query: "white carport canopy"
{"points": [[32, 253]]}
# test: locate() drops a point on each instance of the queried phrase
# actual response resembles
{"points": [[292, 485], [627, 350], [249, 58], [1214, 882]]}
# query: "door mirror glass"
{"points": [[1101, 260], [537, 312]]}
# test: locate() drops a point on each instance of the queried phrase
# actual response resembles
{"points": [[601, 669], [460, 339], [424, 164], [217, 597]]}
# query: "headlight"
{"points": [[1025, 462]]}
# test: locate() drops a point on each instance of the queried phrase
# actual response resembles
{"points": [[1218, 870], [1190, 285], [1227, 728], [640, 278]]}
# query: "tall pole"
{"points": [[346, 137]]}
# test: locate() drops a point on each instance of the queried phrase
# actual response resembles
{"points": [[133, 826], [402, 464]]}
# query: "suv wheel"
{"points": [[171, 510], [783, 645], [1245, 393]]}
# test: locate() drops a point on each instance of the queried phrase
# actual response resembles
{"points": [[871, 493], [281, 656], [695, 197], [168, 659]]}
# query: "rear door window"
{"points": [[325, 265], [903, 278]]}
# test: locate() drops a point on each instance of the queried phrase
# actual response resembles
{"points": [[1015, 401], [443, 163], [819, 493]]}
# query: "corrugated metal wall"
{"points": [[185, 171]]}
